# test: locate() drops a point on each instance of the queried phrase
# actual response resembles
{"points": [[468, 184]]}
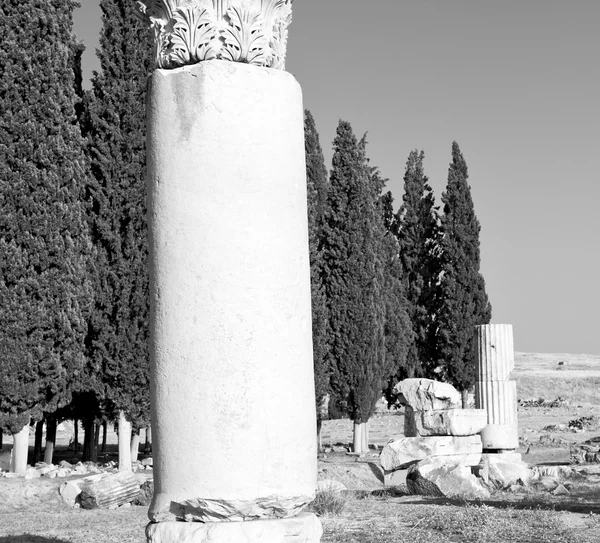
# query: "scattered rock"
{"points": [[503, 474], [560, 490], [146, 493], [147, 461], [403, 452], [437, 477], [427, 394]]}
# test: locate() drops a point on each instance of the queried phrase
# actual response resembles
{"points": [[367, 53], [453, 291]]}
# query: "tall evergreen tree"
{"points": [[114, 122], [398, 334], [316, 184], [464, 302], [417, 229], [44, 293], [354, 281]]}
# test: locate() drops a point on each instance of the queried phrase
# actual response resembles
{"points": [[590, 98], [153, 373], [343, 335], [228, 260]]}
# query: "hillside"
{"points": [[574, 377]]}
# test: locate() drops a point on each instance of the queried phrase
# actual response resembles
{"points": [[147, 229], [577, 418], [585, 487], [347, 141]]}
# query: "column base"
{"points": [[496, 437], [304, 528]]}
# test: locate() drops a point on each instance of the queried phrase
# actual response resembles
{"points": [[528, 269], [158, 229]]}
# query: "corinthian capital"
{"points": [[190, 31]]}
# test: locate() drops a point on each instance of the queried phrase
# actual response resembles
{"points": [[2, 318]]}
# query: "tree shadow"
{"points": [[30, 538]]}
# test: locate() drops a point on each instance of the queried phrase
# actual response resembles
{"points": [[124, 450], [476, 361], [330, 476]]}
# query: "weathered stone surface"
{"points": [[110, 490], [450, 422], [500, 436], [70, 490], [225, 148], [232, 510], [438, 477], [502, 475], [495, 352], [427, 394], [403, 452], [304, 528]]}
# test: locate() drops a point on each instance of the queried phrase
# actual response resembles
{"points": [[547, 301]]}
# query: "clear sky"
{"points": [[517, 84]]}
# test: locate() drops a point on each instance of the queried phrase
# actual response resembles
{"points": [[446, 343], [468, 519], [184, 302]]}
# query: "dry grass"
{"points": [[388, 519]]}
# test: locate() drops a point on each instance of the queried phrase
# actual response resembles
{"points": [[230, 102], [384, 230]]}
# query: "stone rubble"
{"points": [[443, 449]]}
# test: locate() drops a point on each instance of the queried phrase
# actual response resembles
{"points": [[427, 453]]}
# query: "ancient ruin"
{"points": [[233, 406], [494, 391]]}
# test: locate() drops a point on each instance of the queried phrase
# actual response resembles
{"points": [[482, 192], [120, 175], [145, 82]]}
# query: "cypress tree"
{"points": [[417, 230], [316, 184], [44, 292], [353, 279], [464, 302], [114, 122]]}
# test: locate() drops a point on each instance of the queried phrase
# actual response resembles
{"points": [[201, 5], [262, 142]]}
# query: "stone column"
{"points": [[494, 391], [233, 404]]}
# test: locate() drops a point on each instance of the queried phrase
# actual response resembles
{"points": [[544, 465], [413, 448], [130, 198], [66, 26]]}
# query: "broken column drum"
{"points": [[232, 390], [494, 391]]}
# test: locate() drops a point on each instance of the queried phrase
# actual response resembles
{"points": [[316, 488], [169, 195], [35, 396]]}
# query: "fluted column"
{"points": [[494, 391]]}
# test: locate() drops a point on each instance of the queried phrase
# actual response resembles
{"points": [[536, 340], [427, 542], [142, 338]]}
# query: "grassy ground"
{"points": [[365, 518]]}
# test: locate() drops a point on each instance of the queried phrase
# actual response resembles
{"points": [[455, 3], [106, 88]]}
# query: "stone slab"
{"points": [[304, 528], [403, 452], [450, 422], [427, 394]]}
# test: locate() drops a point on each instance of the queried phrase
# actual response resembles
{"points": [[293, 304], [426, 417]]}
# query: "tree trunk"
{"points": [[124, 443], [465, 399], [104, 432], [1, 439], [20, 450], [37, 446], [76, 436], [50, 439], [148, 445], [357, 438], [319, 436], [90, 446], [135, 446]]}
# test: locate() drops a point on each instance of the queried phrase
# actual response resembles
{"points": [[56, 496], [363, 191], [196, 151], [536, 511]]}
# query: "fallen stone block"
{"points": [[560, 490], [70, 490], [450, 422], [502, 475], [427, 394], [394, 478], [112, 490], [403, 452], [437, 477]]}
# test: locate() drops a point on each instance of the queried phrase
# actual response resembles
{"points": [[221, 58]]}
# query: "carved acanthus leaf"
{"points": [[244, 39], [190, 31], [193, 38]]}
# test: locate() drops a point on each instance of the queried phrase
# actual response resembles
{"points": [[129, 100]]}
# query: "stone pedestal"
{"points": [[304, 528], [494, 392], [233, 405]]}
